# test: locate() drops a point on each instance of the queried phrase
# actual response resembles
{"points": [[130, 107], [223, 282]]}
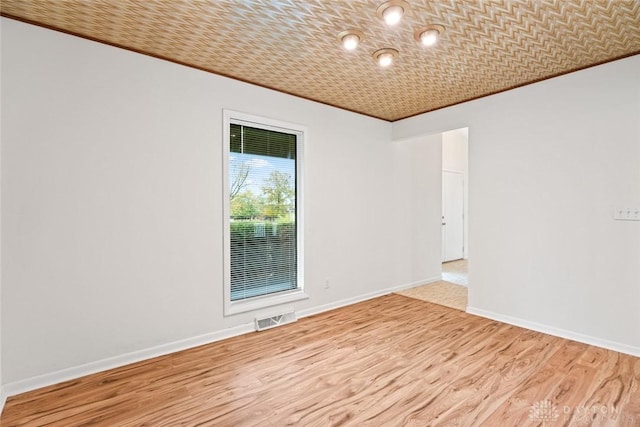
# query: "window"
{"points": [[263, 212]]}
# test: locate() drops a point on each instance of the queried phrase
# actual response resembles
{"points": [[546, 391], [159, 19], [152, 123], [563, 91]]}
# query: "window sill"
{"points": [[235, 307]]}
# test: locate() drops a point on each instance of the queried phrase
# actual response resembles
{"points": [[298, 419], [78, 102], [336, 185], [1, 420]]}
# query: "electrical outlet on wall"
{"points": [[626, 214]]}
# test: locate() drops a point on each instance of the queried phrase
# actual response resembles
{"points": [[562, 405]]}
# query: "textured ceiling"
{"points": [[291, 45]]}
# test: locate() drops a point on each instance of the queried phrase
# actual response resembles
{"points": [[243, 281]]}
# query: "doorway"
{"points": [[455, 149]]}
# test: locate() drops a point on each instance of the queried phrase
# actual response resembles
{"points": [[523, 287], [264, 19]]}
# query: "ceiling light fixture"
{"points": [[384, 57], [350, 39], [429, 36], [391, 11]]}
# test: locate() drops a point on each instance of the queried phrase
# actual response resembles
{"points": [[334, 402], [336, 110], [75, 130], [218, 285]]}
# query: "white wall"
{"points": [[548, 163], [112, 203], [455, 157], [420, 183], [455, 150]]}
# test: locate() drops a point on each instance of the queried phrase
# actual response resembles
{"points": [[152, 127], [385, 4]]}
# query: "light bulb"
{"points": [[350, 41], [429, 37], [385, 59], [392, 15]]}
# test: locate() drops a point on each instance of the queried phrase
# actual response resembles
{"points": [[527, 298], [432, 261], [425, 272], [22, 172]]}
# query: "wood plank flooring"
{"points": [[390, 361]]}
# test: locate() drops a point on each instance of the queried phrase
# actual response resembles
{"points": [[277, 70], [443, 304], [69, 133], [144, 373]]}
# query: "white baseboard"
{"points": [[558, 332], [33, 383], [3, 399], [17, 387], [364, 297]]}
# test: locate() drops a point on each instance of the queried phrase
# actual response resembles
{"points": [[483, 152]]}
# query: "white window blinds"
{"points": [[262, 211]]}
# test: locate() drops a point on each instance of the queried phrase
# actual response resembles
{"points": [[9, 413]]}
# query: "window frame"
{"points": [[269, 300]]}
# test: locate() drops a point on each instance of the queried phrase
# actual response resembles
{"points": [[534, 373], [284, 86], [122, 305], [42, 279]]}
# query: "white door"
{"points": [[452, 216]]}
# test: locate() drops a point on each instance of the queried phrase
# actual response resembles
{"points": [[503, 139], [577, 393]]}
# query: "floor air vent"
{"points": [[271, 321]]}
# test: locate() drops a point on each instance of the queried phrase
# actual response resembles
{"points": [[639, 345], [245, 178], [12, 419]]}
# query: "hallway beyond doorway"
{"points": [[451, 291], [456, 272]]}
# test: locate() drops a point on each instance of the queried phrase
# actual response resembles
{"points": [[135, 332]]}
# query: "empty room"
{"points": [[320, 213]]}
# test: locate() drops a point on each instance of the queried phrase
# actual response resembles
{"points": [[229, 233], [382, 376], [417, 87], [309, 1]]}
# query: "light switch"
{"points": [[626, 214]]}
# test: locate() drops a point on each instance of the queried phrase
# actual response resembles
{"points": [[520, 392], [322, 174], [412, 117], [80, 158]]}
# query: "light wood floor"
{"points": [[390, 361]]}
